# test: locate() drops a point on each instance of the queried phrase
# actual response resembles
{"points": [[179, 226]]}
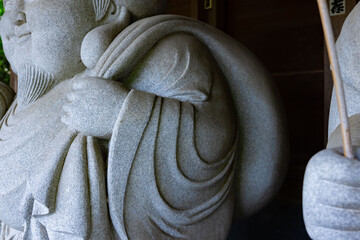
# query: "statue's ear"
{"points": [[109, 12], [97, 40]]}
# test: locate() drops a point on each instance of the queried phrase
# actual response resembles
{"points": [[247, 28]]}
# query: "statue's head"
{"points": [[49, 33]]}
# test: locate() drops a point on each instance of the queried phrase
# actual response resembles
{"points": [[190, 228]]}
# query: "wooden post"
{"points": [[338, 85]]}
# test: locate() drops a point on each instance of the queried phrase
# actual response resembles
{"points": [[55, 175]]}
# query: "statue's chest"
{"points": [[23, 139], [21, 146]]}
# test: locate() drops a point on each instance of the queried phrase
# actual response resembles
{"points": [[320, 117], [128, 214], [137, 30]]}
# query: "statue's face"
{"points": [[46, 33]]}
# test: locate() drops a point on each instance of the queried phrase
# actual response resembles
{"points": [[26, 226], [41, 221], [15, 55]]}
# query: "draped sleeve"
{"points": [[159, 185], [263, 150]]}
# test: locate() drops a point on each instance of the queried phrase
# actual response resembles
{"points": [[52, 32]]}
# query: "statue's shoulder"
{"points": [[167, 35], [178, 47], [348, 50], [175, 60]]}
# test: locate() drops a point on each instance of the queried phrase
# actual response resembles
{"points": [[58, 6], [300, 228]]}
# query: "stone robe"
{"points": [[150, 182]]}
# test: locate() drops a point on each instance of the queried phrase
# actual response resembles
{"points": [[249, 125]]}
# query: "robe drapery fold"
{"points": [[262, 146], [153, 138], [69, 200], [157, 182], [141, 182], [53, 179]]}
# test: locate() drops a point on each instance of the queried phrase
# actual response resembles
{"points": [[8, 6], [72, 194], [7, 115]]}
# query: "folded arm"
{"points": [[180, 67]]}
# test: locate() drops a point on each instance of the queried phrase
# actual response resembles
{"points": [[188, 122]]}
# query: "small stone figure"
{"points": [[331, 194], [128, 125]]}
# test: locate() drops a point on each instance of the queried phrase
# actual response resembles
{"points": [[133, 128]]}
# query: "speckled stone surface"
{"points": [[348, 49], [331, 200], [127, 127]]}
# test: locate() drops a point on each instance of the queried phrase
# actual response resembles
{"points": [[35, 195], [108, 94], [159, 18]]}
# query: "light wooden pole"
{"points": [[338, 85]]}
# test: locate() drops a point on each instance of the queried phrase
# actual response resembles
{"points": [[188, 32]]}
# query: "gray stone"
{"points": [[331, 200], [127, 127], [348, 49], [331, 196]]}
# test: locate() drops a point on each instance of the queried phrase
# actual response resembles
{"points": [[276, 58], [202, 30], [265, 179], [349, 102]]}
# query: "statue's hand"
{"points": [[93, 106], [331, 196]]}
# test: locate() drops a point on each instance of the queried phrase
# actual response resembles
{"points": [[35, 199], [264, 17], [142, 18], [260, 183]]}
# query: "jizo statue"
{"points": [[128, 125]]}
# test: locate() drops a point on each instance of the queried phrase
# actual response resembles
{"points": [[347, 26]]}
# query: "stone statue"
{"points": [[128, 125], [331, 194]]}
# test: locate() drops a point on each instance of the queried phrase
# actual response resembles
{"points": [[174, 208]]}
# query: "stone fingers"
{"points": [[323, 233], [331, 196], [338, 195], [331, 217], [334, 206]]}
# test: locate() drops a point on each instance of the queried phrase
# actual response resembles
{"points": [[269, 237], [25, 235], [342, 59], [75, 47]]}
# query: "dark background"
{"points": [[287, 37]]}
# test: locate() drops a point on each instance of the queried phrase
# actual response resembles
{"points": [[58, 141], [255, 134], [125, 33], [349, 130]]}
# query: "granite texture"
{"points": [[348, 49], [127, 127], [331, 200]]}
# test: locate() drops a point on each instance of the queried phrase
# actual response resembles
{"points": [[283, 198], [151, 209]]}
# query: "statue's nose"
{"points": [[19, 18]]}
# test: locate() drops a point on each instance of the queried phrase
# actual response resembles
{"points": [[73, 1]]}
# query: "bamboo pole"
{"points": [[339, 90]]}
